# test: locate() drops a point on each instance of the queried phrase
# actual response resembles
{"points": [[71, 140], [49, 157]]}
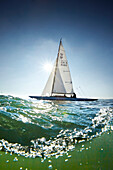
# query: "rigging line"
{"points": [[54, 75], [82, 90], [79, 91], [55, 69]]}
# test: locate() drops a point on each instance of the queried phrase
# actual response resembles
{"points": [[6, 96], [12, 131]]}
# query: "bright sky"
{"points": [[30, 31]]}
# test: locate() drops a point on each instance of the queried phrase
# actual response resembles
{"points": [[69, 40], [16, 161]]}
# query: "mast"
{"points": [[56, 66]]}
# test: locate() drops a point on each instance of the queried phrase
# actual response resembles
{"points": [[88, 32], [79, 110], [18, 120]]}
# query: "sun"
{"points": [[48, 66]]}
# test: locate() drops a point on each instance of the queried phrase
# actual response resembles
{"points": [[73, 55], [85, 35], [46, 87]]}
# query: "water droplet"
{"points": [[50, 166], [111, 127], [15, 159], [56, 156], [69, 156], [49, 161], [66, 160]]}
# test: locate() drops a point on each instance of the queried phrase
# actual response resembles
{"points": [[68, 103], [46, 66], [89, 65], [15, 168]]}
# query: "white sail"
{"points": [[48, 87], [59, 81]]}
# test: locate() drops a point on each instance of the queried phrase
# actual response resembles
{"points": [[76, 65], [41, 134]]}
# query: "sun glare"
{"points": [[48, 66]]}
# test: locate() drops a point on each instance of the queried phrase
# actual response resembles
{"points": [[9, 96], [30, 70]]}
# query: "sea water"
{"points": [[44, 129]]}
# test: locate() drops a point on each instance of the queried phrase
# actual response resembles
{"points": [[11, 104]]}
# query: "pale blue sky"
{"points": [[30, 32]]}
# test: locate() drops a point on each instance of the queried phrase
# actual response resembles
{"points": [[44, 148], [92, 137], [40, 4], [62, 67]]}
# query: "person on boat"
{"points": [[74, 95]]}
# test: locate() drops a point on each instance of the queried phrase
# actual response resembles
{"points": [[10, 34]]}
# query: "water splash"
{"points": [[34, 128]]}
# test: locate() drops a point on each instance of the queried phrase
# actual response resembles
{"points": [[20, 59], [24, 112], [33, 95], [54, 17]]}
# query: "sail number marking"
{"points": [[70, 82], [63, 63], [61, 56]]}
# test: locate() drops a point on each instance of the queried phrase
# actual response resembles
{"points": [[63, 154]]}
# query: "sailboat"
{"points": [[59, 85]]}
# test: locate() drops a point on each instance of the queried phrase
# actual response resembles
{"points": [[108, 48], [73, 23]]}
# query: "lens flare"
{"points": [[48, 66]]}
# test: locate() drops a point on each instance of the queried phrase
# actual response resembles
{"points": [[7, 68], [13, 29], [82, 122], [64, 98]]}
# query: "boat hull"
{"points": [[61, 98]]}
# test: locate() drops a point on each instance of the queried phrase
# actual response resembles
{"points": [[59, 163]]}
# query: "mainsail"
{"points": [[59, 82]]}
